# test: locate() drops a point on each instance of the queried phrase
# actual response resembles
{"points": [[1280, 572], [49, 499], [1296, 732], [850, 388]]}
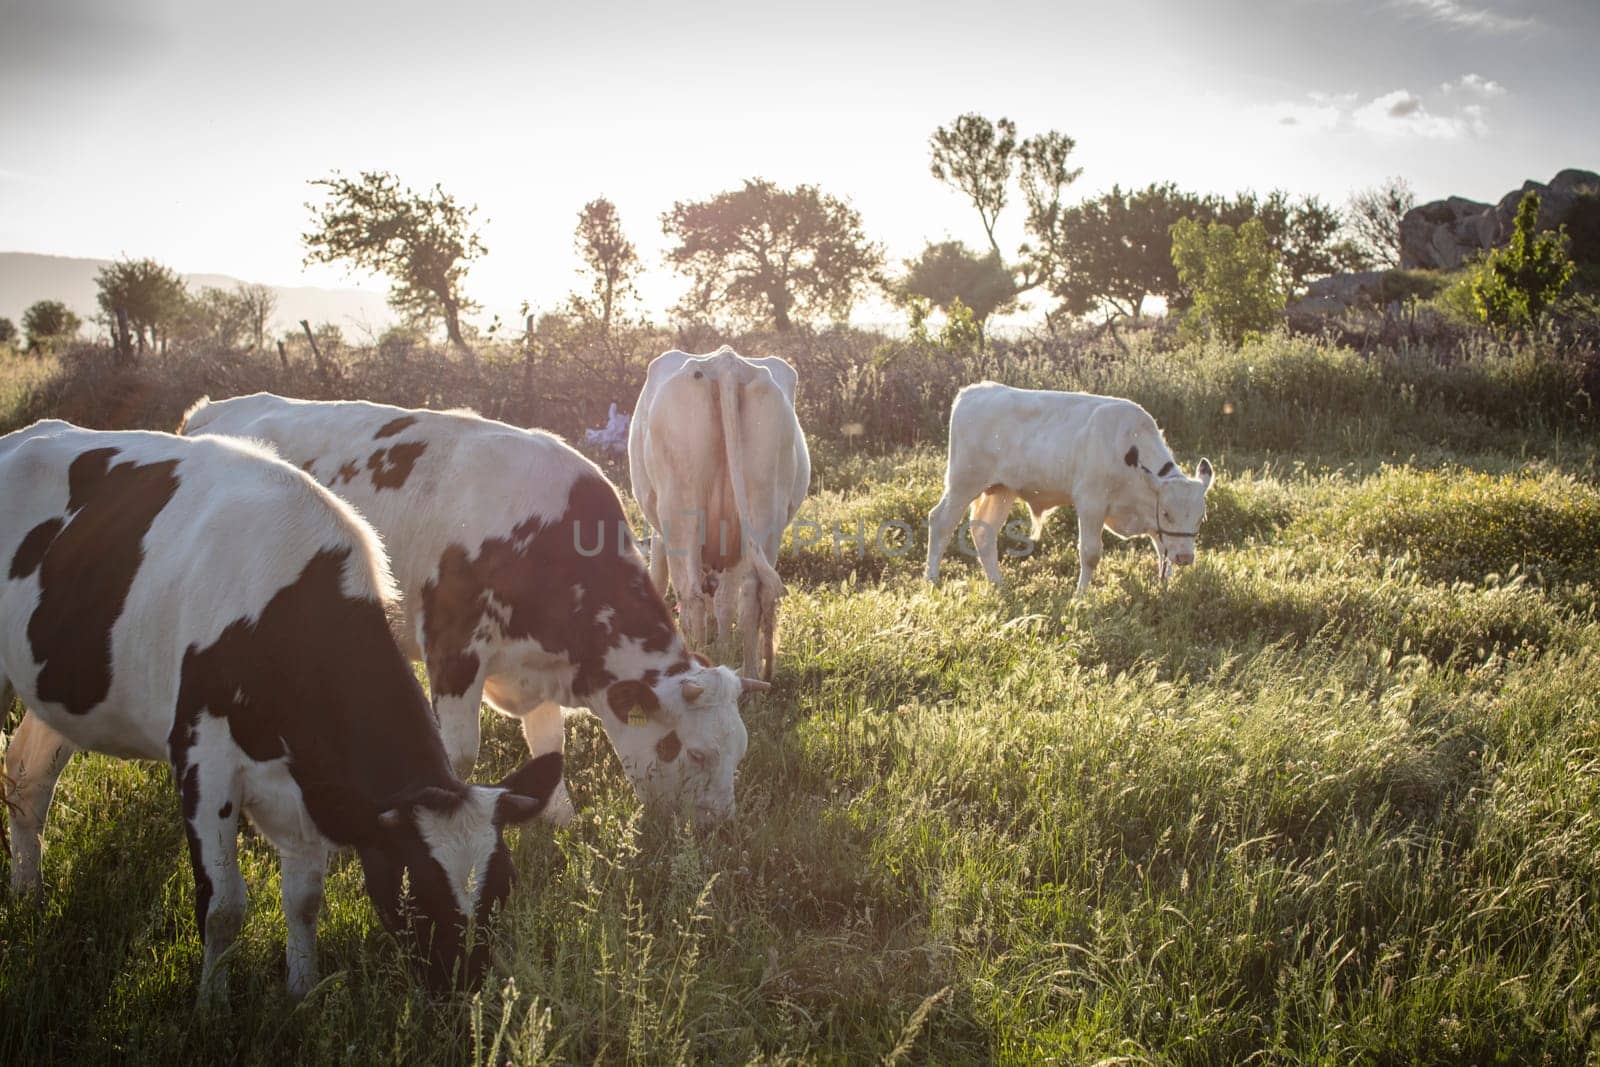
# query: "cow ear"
{"points": [[343, 815], [1132, 457], [528, 789], [1203, 472], [631, 699]]}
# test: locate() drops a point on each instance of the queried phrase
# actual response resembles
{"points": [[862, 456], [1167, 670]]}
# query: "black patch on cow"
{"points": [[225, 811], [394, 426], [31, 552], [1132, 458], [86, 570], [1166, 469], [391, 466], [316, 677], [189, 790], [668, 747], [528, 575]]}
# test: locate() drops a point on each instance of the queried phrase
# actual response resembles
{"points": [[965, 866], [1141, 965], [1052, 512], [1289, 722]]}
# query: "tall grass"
{"points": [[1331, 795]]}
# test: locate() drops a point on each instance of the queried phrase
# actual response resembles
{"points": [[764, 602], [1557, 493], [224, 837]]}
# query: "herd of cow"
{"points": [[244, 601]]}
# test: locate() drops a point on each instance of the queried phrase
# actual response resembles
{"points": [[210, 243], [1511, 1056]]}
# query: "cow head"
{"points": [[1178, 509], [681, 739], [435, 859]]}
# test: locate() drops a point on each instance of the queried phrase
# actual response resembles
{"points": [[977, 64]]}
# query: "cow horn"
{"points": [[692, 690], [753, 685]]}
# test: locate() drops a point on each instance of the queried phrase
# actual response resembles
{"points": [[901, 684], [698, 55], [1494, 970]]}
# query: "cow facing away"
{"points": [[521, 586], [203, 603], [719, 466], [1101, 455]]}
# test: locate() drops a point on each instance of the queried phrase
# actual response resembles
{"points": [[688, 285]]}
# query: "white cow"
{"points": [[206, 604], [522, 586], [1101, 455], [719, 466]]}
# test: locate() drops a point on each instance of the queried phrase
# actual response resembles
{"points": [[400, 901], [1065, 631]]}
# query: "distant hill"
{"points": [[26, 277]]}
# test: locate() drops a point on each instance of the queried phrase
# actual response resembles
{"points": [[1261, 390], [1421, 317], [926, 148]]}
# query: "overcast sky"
{"points": [[187, 129]]}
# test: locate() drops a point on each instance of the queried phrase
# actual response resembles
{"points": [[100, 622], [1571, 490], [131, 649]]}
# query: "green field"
{"points": [[1331, 796]]}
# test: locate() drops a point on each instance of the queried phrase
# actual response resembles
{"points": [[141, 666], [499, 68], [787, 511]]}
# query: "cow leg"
{"points": [[989, 515], [725, 604], [35, 759], [750, 622], [683, 562], [1090, 523], [544, 728], [211, 798], [455, 681], [658, 562], [304, 866], [943, 520]]}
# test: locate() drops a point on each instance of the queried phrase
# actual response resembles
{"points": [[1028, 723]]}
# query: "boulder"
{"points": [[1445, 234], [1327, 296]]}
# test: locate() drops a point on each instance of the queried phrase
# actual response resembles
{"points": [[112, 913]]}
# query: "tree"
{"points": [[1233, 275], [770, 253], [421, 241], [1373, 219], [610, 259], [8, 331], [1116, 249], [257, 302], [1517, 283], [979, 158], [218, 318], [949, 272], [152, 296], [1304, 234], [49, 322]]}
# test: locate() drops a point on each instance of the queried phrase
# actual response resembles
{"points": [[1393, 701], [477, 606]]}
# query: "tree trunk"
{"points": [[452, 327], [780, 311]]}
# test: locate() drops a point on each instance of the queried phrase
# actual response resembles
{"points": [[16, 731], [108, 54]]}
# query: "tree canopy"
{"points": [[48, 322], [948, 272], [152, 296], [1233, 275], [422, 242], [1373, 219], [980, 159], [1115, 250], [609, 258], [771, 254], [1514, 285]]}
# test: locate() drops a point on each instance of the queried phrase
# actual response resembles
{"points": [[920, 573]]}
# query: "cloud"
{"points": [[1458, 111], [1402, 113], [1402, 104], [1474, 85], [1457, 15]]}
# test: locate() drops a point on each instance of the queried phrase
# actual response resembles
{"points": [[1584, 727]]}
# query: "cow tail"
{"points": [[188, 421], [741, 501]]}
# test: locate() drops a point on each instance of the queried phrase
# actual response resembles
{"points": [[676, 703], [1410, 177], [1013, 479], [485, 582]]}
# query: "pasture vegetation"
{"points": [[1332, 795]]}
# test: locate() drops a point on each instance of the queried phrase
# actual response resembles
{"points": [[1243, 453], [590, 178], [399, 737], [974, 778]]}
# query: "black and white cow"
{"points": [[203, 602], [521, 584], [1101, 455]]}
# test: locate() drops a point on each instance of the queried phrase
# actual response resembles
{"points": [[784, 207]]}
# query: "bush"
{"points": [[1465, 526], [1234, 276]]}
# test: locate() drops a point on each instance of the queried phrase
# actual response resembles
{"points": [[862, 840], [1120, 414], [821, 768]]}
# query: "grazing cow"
{"points": [[521, 585], [204, 603], [1101, 455], [719, 467]]}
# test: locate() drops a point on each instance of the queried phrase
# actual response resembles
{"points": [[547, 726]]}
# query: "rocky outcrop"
{"points": [[1331, 295], [1445, 234]]}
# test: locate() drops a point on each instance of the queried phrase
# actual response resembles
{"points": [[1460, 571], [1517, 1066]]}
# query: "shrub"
{"points": [[1234, 275], [1517, 283], [1464, 526]]}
